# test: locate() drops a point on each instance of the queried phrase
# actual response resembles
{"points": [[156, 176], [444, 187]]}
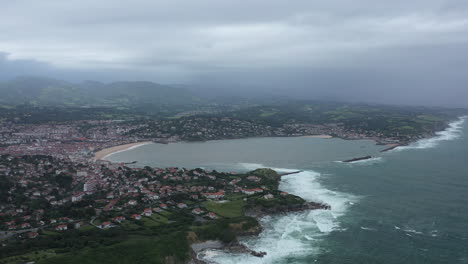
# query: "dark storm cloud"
{"points": [[367, 50]]}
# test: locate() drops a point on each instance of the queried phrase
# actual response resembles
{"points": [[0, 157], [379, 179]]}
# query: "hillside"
{"points": [[47, 92]]}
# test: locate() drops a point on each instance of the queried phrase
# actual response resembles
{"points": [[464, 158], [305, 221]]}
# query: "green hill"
{"points": [[47, 92]]}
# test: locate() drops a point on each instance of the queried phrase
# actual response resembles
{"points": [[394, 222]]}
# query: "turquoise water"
{"points": [[409, 205]]}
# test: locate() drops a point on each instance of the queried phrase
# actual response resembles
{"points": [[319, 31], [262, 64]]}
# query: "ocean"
{"points": [[408, 205]]}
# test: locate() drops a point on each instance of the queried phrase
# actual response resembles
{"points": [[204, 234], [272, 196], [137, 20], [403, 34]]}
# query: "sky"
{"points": [[399, 52]]}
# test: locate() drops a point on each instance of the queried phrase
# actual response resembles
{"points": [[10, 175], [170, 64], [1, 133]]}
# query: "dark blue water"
{"points": [[407, 206]]}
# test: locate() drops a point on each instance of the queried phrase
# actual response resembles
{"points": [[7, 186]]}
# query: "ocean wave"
{"points": [[454, 131], [413, 231], [294, 234]]}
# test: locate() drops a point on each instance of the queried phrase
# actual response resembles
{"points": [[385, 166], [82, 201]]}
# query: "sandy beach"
{"points": [[102, 154], [319, 136]]}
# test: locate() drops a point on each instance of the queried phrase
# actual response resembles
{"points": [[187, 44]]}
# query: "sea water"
{"points": [[408, 205]]}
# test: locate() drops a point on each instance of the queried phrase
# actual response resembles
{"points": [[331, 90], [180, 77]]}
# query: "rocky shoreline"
{"points": [[197, 250]]}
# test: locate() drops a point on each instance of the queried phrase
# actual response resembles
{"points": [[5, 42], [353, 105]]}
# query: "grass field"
{"points": [[149, 222], [228, 209], [29, 257], [159, 218], [137, 249]]}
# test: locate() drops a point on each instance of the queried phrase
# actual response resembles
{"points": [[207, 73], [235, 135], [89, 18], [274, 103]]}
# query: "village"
{"points": [[47, 193]]}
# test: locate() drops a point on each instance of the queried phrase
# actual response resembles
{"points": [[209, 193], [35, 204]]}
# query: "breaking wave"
{"points": [[294, 234], [454, 131]]}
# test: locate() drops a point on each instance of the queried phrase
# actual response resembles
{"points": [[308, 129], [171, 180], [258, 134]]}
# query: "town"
{"points": [[79, 140], [43, 196]]}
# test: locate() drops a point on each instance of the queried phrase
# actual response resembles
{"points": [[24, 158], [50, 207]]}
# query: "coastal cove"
{"points": [[396, 195]]}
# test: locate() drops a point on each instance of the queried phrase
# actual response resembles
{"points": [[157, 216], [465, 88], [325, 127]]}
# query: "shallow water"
{"points": [[409, 205]]}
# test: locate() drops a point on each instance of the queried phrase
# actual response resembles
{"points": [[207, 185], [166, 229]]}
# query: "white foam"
{"points": [[454, 131], [413, 231], [368, 228], [293, 234]]}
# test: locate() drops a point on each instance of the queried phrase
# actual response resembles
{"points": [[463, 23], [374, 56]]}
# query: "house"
{"points": [[216, 195], [81, 173], [268, 196], [252, 191], [157, 210], [119, 219], [253, 178], [132, 202], [136, 216], [53, 221], [163, 206], [32, 234], [212, 215], [197, 211], [147, 212], [105, 225], [25, 225], [77, 197], [153, 196], [61, 227], [283, 193], [181, 205]]}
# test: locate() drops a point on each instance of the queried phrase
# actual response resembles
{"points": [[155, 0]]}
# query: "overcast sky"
{"points": [[410, 52]]}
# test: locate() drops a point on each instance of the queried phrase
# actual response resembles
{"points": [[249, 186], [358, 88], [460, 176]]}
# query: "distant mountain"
{"points": [[46, 92]]}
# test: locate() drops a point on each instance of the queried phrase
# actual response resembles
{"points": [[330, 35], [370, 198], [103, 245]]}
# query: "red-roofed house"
{"points": [[106, 225], [118, 219], [136, 216], [216, 195], [61, 227], [212, 215], [147, 212]]}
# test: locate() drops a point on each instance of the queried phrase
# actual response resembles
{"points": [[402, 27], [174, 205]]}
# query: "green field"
{"points": [[138, 249], [228, 209]]}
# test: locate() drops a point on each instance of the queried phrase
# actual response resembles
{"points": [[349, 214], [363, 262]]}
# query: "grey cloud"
{"points": [[396, 51]]}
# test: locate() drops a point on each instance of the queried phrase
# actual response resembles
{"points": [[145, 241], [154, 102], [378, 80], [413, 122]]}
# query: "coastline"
{"points": [[104, 153], [318, 136]]}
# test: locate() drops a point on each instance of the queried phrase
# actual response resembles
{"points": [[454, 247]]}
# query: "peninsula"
{"points": [[105, 206]]}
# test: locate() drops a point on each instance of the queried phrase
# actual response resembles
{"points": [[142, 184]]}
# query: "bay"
{"points": [[409, 205]]}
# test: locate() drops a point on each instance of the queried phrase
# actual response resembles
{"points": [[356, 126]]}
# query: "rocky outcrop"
{"points": [[358, 159], [259, 211]]}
